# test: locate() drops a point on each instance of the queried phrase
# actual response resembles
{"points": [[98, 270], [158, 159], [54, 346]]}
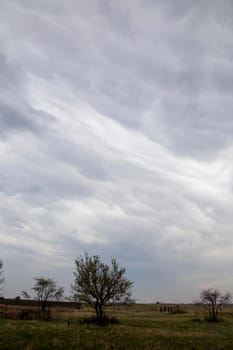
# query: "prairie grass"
{"points": [[139, 327]]}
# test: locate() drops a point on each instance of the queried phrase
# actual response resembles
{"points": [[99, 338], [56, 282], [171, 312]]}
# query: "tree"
{"points": [[25, 295], [2, 279], [212, 300], [99, 284], [46, 289]]}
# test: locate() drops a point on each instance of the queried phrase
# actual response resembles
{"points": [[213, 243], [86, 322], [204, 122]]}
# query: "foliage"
{"points": [[212, 300], [99, 284], [46, 289], [2, 279]]}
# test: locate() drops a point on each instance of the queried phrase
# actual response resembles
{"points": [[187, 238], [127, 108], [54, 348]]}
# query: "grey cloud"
{"points": [[39, 183], [116, 137], [16, 114], [10, 76], [13, 119], [21, 117], [187, 129], [90, 163]]}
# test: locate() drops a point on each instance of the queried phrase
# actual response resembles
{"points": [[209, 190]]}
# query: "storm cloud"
{"points": [[116, 138]]}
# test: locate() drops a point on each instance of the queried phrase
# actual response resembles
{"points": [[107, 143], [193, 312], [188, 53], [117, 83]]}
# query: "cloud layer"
{"points": [[116, 138]]}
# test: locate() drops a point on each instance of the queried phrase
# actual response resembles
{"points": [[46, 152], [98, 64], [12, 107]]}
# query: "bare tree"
{"points": [[46, 289], [212, 300], [98, 284], [25, 295], [2, 279]]}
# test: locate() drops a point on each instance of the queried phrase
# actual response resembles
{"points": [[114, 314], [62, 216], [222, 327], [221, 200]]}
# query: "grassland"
{"points": [[139, 327]]}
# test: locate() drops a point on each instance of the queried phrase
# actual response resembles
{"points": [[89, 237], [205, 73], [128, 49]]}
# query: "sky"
{"points": [[116, 138]]}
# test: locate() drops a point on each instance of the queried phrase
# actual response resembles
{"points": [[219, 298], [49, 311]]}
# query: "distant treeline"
{"points": [[25, 302]]}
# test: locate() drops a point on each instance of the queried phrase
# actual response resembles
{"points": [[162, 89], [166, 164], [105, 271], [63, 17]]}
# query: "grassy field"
{"points": [[139, 327]]}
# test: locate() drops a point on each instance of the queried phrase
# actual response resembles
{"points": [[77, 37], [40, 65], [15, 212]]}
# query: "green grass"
{"points": [[140, 327]]}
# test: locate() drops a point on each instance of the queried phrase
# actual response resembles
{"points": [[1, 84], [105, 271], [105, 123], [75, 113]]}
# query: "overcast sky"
{"points": [[116, 137]]}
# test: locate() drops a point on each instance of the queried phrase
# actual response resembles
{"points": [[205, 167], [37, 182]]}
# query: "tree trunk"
{"points": [[99, 312], [214, 312]]}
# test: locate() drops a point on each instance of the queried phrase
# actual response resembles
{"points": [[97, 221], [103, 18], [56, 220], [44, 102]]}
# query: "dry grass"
{"points": [[140, 327]]}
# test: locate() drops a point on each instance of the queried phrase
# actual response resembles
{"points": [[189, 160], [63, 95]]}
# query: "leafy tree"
{"points": [[46, 289], [212, 300], [99, 284], [2, 279]]}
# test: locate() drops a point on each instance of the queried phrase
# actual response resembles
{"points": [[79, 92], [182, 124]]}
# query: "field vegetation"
{"points": [[132, 327]]}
